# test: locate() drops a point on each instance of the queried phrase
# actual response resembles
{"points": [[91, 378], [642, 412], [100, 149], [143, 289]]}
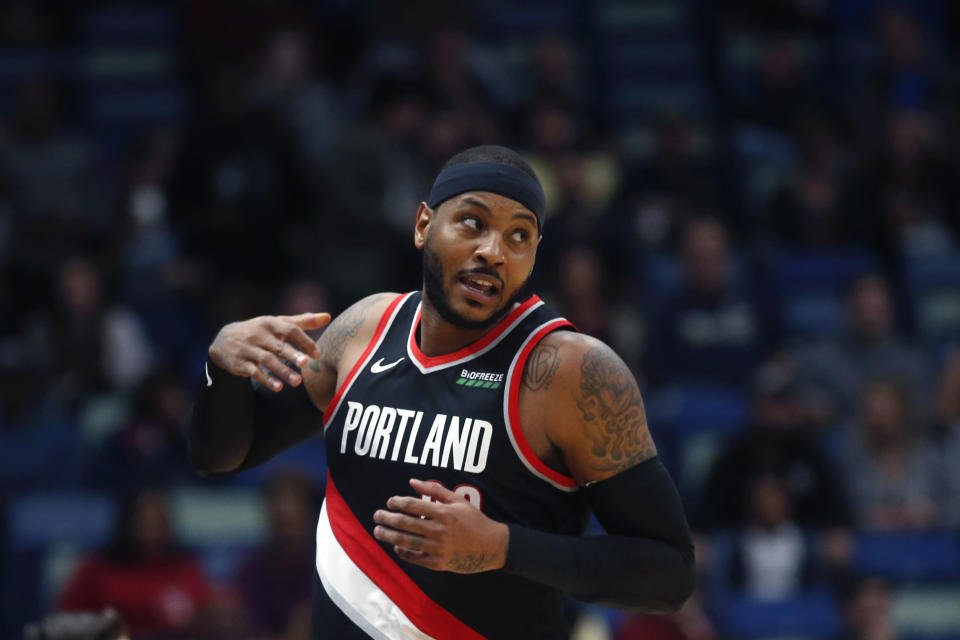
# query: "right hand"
{"points": [[257, 348]]}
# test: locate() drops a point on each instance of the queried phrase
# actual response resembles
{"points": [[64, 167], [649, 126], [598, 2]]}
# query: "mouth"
{"points": [[480, 287]]}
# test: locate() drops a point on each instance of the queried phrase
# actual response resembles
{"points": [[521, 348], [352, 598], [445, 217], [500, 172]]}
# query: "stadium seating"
{"points": [[692, 422], [220, 524], [813, 286], [927, 612], [908, 556], [811, 615], [935, 293], [45, 532]]}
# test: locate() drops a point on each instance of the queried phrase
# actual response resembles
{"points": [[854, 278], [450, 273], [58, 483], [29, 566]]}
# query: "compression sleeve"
{"points": [[236, 424], [644, 563]]}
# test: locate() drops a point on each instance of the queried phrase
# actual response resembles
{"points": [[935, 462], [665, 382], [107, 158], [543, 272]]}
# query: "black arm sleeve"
{"points": [[644, 563], [236, 424]]}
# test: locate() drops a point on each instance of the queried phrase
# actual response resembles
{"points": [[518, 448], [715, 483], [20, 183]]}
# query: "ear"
{"points": [[424, 217]]}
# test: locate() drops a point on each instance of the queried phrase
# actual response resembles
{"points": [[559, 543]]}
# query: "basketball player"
{"points": [[469, 429]]}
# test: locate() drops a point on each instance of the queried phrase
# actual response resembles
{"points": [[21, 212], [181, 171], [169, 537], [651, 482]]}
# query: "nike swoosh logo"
{"points": [[379, 367], [206, 371]]}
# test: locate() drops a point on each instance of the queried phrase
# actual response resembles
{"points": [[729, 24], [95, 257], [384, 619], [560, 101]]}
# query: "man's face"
{"points": [[478, 252]]}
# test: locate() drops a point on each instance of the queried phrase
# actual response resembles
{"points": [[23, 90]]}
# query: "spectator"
{"points": [[690, 623], [948, 418], [772, 559], [274, 584], [893, 474], [908, 195], [710, 331], [155, 587], [866, 611], [306, 108], [237, 183], [777, 442], [836, 369], [37, 439], [88, 343], [811, 210], [48, 172], [148, 450], [578, 290]]}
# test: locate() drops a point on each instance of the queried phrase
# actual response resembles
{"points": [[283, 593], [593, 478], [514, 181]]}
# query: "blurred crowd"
{"points": [[757, 203]]}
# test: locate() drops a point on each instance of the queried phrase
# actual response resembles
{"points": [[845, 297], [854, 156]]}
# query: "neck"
{"points": [[439, 337]]}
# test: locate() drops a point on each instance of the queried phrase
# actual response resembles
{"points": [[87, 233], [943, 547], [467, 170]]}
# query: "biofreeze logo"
{"points": [[480, 379], [451, 442]]}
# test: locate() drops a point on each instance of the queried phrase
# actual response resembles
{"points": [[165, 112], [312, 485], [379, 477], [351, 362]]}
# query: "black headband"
{"points": [[504, 179]]}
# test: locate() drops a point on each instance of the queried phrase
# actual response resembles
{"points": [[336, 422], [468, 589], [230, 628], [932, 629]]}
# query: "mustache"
{"points": [[484, 271]]}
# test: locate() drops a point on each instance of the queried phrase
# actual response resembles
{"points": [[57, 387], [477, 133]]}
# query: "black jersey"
{"points": [[453, 419]]}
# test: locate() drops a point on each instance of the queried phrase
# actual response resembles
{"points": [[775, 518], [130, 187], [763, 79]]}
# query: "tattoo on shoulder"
{"points": [[612, 408], [541, 367], [333, 341]]}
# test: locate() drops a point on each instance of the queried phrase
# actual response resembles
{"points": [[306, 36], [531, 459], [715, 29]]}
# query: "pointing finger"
{"points": [[308, 321]]}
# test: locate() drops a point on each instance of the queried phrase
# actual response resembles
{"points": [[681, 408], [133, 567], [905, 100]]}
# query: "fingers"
{"points": [[251, 370], [436, 490], [406, 523], [415, 506], [406, 540], [290, 332], [273, 364]]}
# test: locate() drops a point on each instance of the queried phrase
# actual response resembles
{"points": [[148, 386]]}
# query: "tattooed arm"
{"points": [[581, 411], [340, 346]]}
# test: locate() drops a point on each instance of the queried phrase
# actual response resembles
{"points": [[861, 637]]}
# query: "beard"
{"points": [[434, 291]]}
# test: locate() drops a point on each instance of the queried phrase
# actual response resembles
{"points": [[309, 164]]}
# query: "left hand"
{"points": [[452, 535]]}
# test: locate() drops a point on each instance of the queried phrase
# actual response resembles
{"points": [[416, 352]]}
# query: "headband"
{"points": [[504, 179]]}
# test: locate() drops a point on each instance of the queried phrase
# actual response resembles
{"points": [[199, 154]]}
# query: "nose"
{"points": [[490, 249]]}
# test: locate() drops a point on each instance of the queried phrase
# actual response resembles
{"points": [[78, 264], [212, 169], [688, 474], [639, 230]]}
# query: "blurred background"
{"points": [[756, 202]]}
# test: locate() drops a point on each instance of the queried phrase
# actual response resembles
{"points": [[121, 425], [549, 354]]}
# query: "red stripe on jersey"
{"points": [[358, 365], [514, 406], [473, 347], [431, 618]]}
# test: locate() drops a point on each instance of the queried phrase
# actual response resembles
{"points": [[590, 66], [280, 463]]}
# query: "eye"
{"points": [[471, 221], [520, 235]]}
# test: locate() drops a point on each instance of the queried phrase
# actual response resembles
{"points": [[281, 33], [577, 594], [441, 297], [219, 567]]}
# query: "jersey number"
{"points": [[470, 493]]}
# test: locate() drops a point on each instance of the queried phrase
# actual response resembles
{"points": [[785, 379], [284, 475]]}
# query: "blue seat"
{"points": [[813, 287], [514, 20], [690, 424], [39, 520], [908, 556], [935, 293], [690, 409], [813, 614], [129, 23], [309, 458], [39, 524]]}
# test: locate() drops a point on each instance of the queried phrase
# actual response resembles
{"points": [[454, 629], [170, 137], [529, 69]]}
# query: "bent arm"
{"points": [[594, 417], [237, 425], [645, 562]]}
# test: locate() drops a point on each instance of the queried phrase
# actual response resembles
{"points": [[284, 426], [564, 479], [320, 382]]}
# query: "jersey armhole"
{"points": [[386, 319], [511, 409]]}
